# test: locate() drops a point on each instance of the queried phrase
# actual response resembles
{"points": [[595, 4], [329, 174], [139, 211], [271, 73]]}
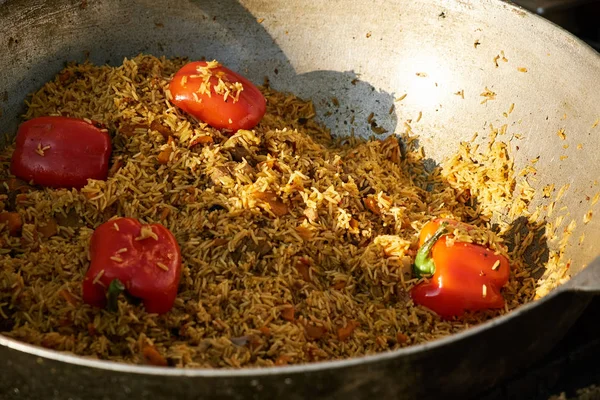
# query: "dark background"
{"points": [[572, 369], [580, 17]]}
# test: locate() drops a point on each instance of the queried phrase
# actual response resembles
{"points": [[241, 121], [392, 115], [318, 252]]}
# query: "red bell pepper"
{"points": [[143, 260], [463, 276], [218, 96], [60, 152]]}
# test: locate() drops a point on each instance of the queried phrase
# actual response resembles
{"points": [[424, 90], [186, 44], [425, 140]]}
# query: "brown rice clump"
{"points": [[296, 247]]}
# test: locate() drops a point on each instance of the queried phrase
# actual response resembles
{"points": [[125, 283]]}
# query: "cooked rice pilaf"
{"points": [[297, 246]]}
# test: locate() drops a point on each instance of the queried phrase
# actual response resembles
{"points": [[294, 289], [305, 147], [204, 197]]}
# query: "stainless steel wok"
{"points": [[427, 49]]}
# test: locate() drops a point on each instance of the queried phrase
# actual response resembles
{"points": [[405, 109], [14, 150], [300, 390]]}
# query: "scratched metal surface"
{"points": [[367, 54]]}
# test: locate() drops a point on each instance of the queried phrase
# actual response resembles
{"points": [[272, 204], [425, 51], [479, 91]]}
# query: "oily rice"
{"points": [[296, 246]]}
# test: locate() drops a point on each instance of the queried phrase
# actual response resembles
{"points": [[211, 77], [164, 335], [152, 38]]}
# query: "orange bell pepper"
{"points": [[463, 276]]}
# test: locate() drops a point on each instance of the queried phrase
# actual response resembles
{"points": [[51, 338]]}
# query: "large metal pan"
{"points": [[428, 49]]}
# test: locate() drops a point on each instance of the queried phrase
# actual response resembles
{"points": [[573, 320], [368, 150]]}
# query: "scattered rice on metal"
{"points": [[488, 95]]}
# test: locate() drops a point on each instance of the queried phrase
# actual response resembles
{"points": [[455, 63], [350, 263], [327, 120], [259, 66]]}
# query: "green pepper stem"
{"points": [[115, 288], [424, 264]]}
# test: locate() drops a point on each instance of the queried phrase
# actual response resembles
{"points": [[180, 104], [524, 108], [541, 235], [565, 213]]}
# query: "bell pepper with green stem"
{"points": [[463, 276]]}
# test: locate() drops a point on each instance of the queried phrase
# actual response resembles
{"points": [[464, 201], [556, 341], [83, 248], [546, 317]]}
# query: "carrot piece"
{"points": [[49, 229], [265, 330], [203, 140], [115, 168], [282, 360], [91, 329], [153, 357], [315, 332], [14, 183], [401, 338], [68, 297], [339, 285], [90, 195], [269, 163], [21, 198], [64, 76], [277, 206], [304, 232], [160, 128], [345, 332], [372, 205], [165, 213], [219, 242], [165, 155], [288, 313], [303, 268], [129, 130], [12, 221]]}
